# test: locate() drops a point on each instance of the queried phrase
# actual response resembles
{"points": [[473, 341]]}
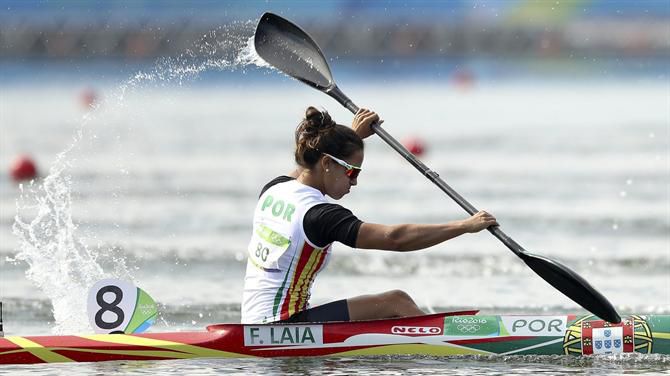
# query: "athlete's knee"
{"points": [[399, 297]]}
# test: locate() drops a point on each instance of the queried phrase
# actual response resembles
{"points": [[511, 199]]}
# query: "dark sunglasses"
{"points": [[351, 170]]}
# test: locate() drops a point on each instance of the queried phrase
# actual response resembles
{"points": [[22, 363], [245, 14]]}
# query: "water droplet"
{"points": [[623, 194], [615, 226]]}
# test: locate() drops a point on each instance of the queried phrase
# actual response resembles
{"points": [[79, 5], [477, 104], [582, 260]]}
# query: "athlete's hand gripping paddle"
{"points": [[288, 48]]}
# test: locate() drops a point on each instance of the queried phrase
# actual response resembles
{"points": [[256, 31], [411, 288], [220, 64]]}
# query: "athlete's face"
{"points": [[339, 177]]}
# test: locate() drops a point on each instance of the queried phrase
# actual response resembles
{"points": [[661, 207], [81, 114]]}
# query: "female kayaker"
{"points": [[295, 226]]}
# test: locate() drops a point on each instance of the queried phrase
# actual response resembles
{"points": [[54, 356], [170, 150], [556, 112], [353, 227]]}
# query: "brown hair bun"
{"points": [[318, 133], [318, 119]]}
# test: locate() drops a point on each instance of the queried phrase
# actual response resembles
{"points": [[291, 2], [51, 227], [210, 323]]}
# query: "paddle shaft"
{"points": [[433, 176]]}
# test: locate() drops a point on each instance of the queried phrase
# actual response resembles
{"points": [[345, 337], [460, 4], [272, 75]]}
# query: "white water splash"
{"points": [[248, 56], [60, 263]]}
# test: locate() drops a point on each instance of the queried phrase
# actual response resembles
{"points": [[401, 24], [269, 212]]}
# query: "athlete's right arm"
{"points": [[412, 237]]}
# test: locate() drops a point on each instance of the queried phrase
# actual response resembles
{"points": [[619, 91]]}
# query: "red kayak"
{"points": [[442, 334]]}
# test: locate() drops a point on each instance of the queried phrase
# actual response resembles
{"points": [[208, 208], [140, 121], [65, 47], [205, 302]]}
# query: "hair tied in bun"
{"points": [[319, 119]]}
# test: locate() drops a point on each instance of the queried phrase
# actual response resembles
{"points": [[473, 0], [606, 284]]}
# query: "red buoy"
{"points": [[415, 146], [88, 98], [463, 79], [23, 168]]}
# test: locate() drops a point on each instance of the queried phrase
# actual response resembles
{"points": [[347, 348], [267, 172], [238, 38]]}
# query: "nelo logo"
{"points": [[416, 330]]}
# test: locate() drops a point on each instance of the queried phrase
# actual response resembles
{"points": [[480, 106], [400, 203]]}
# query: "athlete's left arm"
{"points": [[406, 237], [412, 237]]}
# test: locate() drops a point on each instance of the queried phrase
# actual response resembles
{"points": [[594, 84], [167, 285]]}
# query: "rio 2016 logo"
{"points": [[471, 326]]}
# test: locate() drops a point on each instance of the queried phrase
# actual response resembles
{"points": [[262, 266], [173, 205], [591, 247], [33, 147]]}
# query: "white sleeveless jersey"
{"points": [[282, 263]]}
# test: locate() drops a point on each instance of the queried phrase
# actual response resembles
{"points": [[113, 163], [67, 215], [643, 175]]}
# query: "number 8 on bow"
{"points": [[117, 306]]}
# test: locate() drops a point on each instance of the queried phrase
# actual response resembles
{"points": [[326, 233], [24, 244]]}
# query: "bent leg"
{"points": [[333, 311], [390, 304]]}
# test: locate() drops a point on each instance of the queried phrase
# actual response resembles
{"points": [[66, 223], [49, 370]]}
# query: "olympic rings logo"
{"points": [[463, 328]]}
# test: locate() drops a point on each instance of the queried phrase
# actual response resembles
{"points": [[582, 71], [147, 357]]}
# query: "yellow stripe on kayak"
{"points": [[162, 344], [38, 350], [145, 353], [414, 349]]}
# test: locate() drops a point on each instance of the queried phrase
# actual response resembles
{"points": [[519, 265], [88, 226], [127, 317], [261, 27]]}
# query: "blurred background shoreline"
{"points": [[459, 42], [132, 30]]}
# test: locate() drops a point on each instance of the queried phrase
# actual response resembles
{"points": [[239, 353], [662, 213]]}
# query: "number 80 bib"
{"points": [[266, 247]]}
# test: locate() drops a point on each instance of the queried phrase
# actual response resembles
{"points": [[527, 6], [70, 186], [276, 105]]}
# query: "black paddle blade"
{"points": [[286, 47], [572, 285]]}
